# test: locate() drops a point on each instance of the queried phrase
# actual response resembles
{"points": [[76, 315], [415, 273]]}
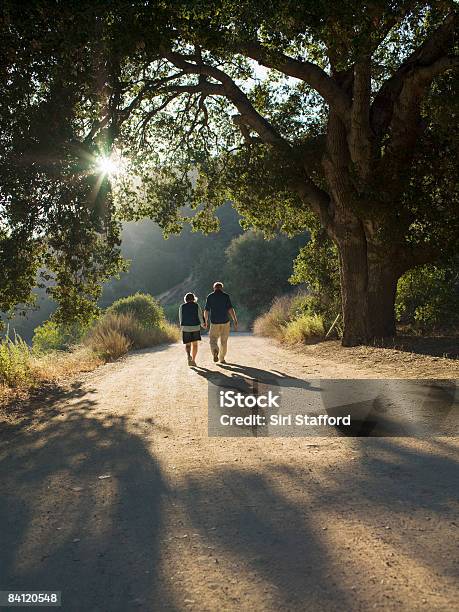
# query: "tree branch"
{"points": [[266, 131], [248, 115], [432, 50], [308, 72]]}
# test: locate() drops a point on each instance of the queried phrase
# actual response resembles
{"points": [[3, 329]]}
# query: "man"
{"points": [[218, 304]]}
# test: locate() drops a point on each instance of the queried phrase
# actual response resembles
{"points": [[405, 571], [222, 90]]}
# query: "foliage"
{"points": [[52, 336], [143, 307], [257, 269], [56, 209], [428, 297], [304, 328], [317, 265]]}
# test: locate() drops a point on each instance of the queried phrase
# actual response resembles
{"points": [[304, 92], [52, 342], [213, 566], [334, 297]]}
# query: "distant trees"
{"points": [[257, 270]]}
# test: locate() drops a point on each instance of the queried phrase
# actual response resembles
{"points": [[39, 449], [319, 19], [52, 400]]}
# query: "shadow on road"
{"points": [[98, 540], [64, 528], [233, 372], [267, 521]]}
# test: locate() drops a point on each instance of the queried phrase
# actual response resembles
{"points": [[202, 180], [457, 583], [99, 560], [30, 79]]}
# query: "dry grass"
{"points": [[35, 371], [283, 323], [115, 334], [55, 366], [22, 369], [272, 323]]}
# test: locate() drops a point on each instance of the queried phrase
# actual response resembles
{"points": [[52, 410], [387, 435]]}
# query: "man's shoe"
{"points": [[222, 361], [215, 353], [193, 363], [190, 360]]}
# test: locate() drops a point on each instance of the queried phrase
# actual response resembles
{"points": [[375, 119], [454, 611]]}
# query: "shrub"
{"points": [[305, 328], [428, 297], [142, 306], [15, 359], [52, 336]]}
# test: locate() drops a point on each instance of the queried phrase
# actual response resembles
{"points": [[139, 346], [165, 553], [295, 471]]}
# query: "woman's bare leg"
{"points": [[194, 349]]}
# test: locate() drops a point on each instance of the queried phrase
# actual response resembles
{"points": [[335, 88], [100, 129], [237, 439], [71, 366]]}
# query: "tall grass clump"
{"points": [[292, 320], [109, 339], [15, 358], [115, 334], [306, 328]]}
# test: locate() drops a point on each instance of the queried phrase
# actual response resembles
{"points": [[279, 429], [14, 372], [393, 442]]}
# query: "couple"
{"points": [[219, 308]]}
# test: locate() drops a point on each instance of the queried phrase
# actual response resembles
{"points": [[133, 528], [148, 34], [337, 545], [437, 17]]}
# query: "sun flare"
{"points": [[108, 165]]}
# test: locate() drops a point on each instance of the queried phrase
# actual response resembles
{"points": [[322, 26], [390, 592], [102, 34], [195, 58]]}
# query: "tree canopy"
{"points": [[293, 110]]}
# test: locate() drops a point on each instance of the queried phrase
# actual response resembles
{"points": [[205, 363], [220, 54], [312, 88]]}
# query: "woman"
{"points": [[191, 321]]}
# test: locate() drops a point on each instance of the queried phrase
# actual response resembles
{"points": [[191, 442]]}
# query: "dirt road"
{"points": [[114, 494]]}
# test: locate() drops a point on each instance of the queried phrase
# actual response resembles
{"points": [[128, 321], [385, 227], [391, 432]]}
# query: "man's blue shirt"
{"points": [[218, 303]]}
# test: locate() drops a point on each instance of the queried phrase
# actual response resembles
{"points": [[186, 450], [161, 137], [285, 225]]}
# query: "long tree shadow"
{"points": [[65, 528], [272, 535], [413, 489], [271, 538]]}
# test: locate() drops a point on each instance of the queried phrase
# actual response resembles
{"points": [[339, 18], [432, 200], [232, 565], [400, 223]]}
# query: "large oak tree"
{"points": [[344, 111]]}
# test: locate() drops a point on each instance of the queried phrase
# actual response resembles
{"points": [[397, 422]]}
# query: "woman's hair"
{"points": [[190, 297]]}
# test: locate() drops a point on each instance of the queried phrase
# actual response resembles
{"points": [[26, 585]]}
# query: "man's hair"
{"points": [[218, 286], [190, 297]]}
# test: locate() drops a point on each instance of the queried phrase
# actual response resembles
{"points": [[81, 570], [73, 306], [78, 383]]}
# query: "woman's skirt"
{"points": [[192, 336]]}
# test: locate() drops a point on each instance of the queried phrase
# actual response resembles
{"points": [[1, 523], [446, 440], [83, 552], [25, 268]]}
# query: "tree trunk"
{"points": [[368, 288]]}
